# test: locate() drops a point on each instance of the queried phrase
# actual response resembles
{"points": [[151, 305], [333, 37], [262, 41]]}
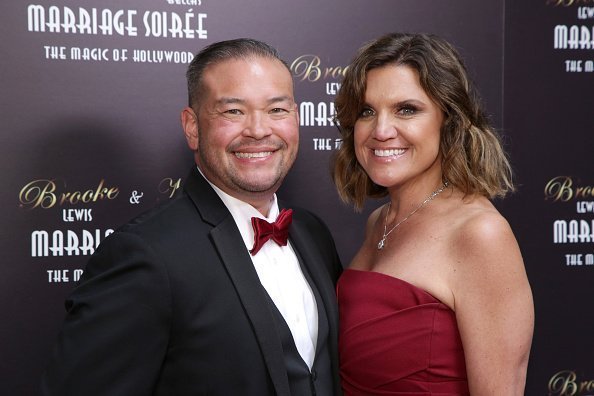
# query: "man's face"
{"points": [[244, 130]]}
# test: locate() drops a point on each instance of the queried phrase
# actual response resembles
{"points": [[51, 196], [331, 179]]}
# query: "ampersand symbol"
{"points": [[135, 198]]}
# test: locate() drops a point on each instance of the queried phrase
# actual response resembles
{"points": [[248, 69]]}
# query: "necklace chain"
{"points": [[434, 194]]}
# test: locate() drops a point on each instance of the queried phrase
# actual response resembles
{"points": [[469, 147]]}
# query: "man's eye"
{"points": [[233, 111], [278, 110]]}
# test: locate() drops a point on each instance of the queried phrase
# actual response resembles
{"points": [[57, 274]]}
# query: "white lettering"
{"points": [[76, 245], [573, 231], [320, 115]]}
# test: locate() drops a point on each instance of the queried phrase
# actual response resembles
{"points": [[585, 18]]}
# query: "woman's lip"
{"points": [[388, 152]]}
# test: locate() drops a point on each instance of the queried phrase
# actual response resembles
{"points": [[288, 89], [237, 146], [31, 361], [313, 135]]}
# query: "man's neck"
{"points": [[261, 202]]}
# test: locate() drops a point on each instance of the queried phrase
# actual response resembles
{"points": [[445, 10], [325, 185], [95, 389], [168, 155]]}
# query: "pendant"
{"points": [[381, 243]]}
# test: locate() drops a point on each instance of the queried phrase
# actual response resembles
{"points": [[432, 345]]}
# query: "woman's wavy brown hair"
{"points": [[472, 156]]}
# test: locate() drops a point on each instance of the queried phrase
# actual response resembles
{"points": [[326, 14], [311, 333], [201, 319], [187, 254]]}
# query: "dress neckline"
{"points": [[408, 284]]}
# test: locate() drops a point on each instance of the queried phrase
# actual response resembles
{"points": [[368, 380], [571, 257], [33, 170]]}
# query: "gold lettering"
{"points": [[112, 192], [563, 384], [169, 186], [71, 197], [38, 193], [559, 189], [335, 72], [87, 196], [42, 194], [568, 3], [557, 3], [584, 192], [586, 386], [307, 67], [98, 194]]}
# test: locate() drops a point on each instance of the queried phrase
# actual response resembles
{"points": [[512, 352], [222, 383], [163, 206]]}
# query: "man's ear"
{"points": [[189, 122]]}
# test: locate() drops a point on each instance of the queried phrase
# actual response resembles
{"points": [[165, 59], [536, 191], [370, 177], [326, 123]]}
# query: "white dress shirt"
{"points": [[280, 274]]}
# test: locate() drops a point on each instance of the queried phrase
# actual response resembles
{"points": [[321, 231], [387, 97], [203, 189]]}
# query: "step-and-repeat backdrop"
{"points": [[549, 120], [90, 96]]}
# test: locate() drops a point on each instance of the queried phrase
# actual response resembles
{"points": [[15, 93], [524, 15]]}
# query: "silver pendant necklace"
{"points": [[434, 194]]}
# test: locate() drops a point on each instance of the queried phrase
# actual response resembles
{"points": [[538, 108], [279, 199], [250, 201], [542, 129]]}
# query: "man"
{"points": [[184, 300]]}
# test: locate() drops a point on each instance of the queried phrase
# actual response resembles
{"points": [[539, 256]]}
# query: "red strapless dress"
{"points": [[396, 339]]}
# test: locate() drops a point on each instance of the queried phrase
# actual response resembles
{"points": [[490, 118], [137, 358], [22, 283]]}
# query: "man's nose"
{"points": [[257, 126]]}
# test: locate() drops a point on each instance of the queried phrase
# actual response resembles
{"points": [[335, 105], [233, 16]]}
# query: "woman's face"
{"points": [[397, 133]]}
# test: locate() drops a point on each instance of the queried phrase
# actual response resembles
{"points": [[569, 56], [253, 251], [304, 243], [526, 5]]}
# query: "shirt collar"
{"points": [[243, 212]]}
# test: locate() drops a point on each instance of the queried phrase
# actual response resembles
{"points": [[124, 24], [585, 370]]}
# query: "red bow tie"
{"points": [[278, 231]]}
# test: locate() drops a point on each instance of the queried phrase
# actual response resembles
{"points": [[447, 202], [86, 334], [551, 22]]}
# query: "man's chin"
{"points": [[259, 186]]}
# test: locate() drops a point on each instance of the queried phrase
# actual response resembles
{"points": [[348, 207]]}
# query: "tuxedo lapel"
{"points": [[253, 298], [235, 257]]}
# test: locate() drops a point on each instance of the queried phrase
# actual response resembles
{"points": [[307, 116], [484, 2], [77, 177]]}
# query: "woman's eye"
{"points": [[366, 113], [407, 111]]}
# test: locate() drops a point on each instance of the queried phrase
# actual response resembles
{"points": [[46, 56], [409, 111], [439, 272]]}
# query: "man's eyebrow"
{"points": [[230, 100], [233, 100], [283, 98]]}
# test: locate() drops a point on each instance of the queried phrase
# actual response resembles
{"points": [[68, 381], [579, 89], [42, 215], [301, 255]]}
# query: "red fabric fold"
{"points": [[278, 231]]}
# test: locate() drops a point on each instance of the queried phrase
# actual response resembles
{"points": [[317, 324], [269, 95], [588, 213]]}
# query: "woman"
{"points": [[436, 301]]}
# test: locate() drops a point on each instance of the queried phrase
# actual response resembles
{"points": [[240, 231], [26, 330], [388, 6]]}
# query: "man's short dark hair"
{"points": [[241, 48]]}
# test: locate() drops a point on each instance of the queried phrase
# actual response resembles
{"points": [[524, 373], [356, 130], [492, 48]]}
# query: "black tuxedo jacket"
{"points": [[171, 304]]}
